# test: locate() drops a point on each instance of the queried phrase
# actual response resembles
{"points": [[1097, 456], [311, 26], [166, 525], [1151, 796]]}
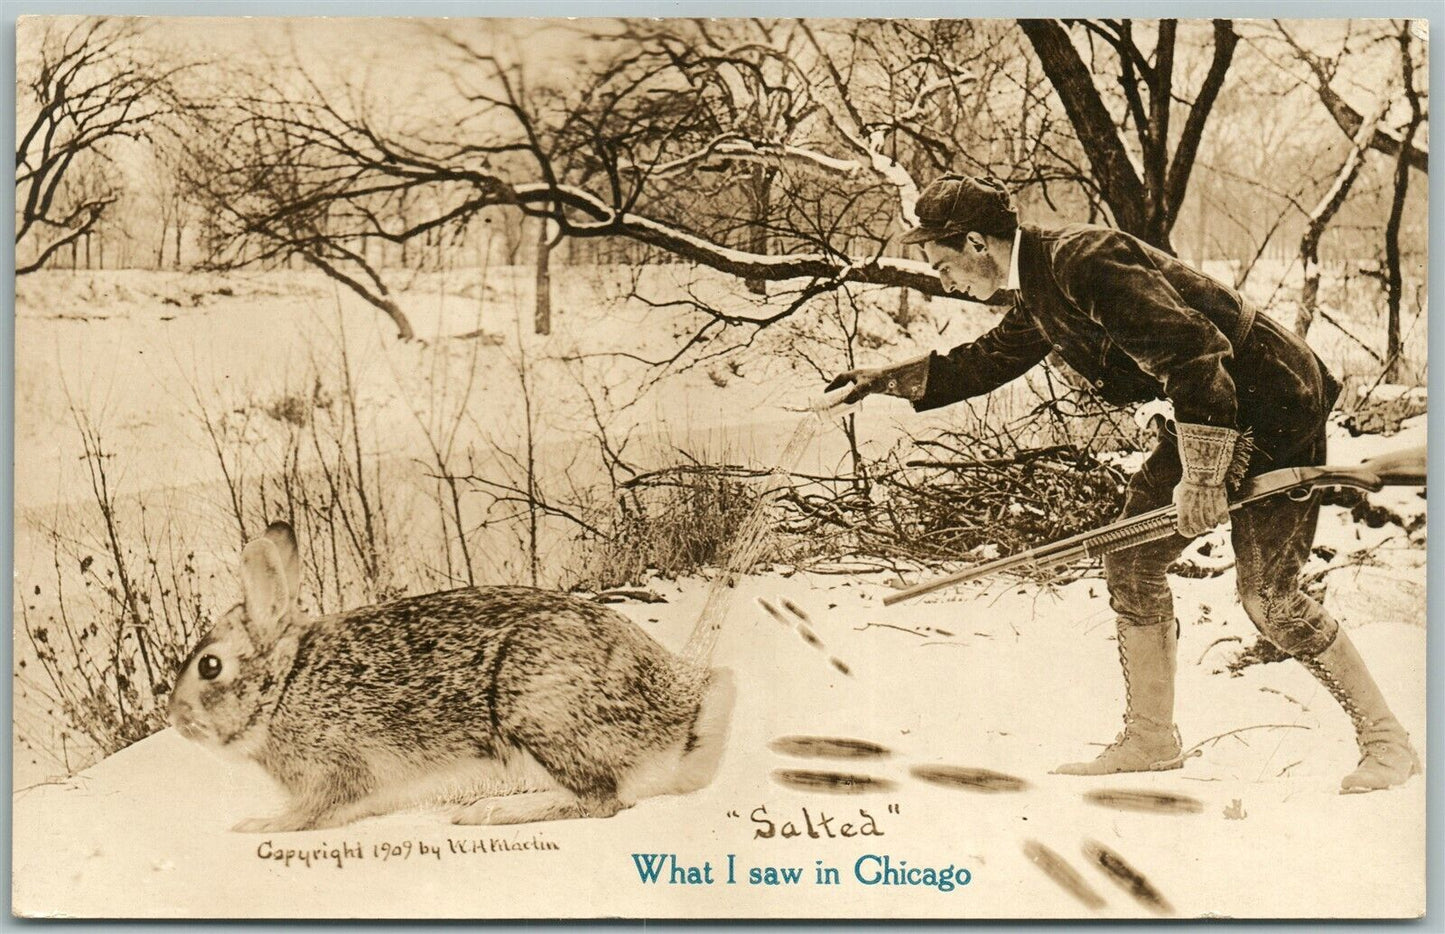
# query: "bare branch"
{"points": [[1348, 118]]}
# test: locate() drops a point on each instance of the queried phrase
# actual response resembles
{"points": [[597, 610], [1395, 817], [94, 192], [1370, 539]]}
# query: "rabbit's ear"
{"points": [[263, 578], [280, 535]]}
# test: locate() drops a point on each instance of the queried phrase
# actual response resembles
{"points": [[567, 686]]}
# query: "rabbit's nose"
{"points": [[179, 711]]}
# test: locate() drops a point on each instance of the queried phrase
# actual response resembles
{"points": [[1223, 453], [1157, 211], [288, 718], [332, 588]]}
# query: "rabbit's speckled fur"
{"points": [[364, 711]]}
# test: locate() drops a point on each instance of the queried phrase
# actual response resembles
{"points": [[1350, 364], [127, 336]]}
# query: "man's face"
{"points": [[972, 272]]}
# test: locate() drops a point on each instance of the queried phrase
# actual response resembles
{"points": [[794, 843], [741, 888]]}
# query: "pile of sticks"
{"points": [[949, 507]]}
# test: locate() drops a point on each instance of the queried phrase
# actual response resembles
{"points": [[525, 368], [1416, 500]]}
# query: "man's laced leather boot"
{"points": [[1386, 756], [1150, 741]]}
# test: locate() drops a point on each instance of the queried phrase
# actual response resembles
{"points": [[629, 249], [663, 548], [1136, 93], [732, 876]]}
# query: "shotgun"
{"points": [[1398, 468]]}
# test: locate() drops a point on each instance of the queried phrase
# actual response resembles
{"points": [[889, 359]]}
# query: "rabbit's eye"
{"points": [[209, 667]]}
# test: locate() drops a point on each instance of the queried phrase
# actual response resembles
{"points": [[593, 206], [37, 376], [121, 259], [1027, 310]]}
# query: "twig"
{"points": [[1343, 330], [1197, 748], [1271, 690], [618, 594], [911, 632], [70, 782], [1214, 643]]}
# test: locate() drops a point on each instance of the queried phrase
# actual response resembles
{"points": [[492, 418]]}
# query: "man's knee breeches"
{"points": [[1138, 586], [1291, 620], [1272, 541]]}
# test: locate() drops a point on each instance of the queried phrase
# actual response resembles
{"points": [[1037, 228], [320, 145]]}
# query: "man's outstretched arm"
{"points": [[1005, 352]]}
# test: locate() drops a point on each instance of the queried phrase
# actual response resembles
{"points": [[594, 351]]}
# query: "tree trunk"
{"points": [[1093, 124], [1145, 206], [1159, 216], [904, 316], [380, 300], [177, 260], [1201, 225], [761, 183], [1394, 280], [1324, 212], [542, 318]]}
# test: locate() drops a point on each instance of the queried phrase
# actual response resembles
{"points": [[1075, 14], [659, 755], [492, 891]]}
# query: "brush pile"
{"points": [[970, 502]]}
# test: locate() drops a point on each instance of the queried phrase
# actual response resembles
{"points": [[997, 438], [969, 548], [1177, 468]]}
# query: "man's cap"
{"points": [[956, 204]]}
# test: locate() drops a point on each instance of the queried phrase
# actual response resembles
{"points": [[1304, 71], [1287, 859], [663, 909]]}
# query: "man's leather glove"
{"points": [[907, 380], [1205, 452]]}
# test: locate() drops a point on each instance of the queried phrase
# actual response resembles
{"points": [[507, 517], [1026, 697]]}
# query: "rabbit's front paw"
{"points": [[281, 823]]}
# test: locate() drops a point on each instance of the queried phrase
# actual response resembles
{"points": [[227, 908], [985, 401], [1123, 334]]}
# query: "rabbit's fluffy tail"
{"points": [[709, 734], [692, 760]]}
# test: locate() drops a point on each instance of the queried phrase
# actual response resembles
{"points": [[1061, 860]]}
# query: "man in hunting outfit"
{"points": [[1248, 395]]}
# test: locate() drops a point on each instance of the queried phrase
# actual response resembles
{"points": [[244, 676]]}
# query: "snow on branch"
{"points": [[880, 270], [732, 147]]}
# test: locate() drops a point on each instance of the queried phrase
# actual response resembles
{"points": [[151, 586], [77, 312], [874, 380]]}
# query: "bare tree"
{"points": [[165, 196], [1324, 211], [1394, 280], [771, 151], [768, 151], [1144, 199], [1325, 70], [319, 176], [88, 87], [283, 178], [756, 99]]}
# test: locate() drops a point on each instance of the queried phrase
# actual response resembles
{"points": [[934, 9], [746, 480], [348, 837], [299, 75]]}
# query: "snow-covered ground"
{"points": [[1023, 680], [996, 675]]}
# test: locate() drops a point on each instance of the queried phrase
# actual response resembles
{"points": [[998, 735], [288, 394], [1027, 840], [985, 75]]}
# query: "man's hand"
{"points": [[1205, 452], [905, 380], [865, 380], [1201, 506]]}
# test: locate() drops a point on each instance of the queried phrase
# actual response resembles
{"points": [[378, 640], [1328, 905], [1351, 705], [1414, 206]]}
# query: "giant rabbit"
{"points": [[365, 711]]}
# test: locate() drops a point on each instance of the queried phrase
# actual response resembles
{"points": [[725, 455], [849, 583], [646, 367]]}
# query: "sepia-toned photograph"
{"points": [[673, 468]]}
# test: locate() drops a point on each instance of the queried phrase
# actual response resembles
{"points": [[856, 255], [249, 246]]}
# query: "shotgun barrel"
{"points": [[1398, 468]]}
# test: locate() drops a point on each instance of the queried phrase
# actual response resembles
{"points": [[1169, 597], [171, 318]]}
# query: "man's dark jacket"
{"points": [[1138, 324]]}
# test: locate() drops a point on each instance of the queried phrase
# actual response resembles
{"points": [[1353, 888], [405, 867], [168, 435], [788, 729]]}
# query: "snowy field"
{"points": [[996, 675], [1022, 682]]}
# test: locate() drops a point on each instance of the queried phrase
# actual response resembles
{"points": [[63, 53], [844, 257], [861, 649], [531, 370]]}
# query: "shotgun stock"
{"points": [[1398, 468]]}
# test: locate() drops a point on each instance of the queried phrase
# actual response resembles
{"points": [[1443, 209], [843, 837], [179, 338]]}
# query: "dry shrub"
{"points": [[104, 634], [297, 408], [1021, 470], [312, 462], [1010, 500], [1381, 411], [672, 524], [103, 656]]}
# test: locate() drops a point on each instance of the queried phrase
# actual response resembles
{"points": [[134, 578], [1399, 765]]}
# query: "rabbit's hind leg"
{"points": [[531, 806], [540, 797]]}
